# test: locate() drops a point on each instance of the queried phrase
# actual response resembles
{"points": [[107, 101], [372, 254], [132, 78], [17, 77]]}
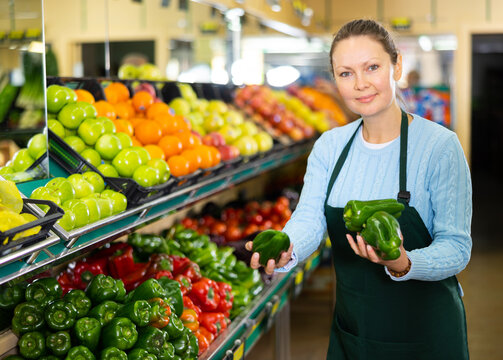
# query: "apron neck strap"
{"points": [[403, 194]]}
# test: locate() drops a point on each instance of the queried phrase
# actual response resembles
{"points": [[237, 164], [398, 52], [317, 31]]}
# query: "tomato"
{"points": [[207, 220], [286, 214], [275, 218], [277, 227], [252, 206], [283, 200], [256, 219], [267, 224], [250, 229], [229, 214], [189, 223], [218, 228], [233, 233], [266, 209], [279, 207]]}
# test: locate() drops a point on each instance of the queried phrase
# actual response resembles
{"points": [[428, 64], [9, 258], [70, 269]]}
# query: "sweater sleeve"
{"points": [[450, 191], [307, 225]]}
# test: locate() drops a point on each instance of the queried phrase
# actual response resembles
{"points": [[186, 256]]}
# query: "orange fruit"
{"points": [[184, 125], [116, 92], [178, 165], [104, 108], [206, 156], [135, 121], [148, 132], [136, 142], [171, 145], [124, 126], [164, 120], [194, 159], [216, 156], [84, 95], [189, 140], [156, 109], [155, 151], [124, 110], [142, 100]]}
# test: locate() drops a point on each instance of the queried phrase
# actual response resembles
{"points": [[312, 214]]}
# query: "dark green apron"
{"points": [[378, 318]]}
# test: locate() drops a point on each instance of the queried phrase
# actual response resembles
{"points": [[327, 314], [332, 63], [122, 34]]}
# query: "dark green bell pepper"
{"points": [[156, 342], [10, 296], [357, 212], [145, 244], [112, 353], [60, 315], [43, 291], [175, 327], [120, 333], [103, 287], [80, 301], [270, 244], [147, 290], [104, 312], [58, 343], [172, 294], [140, 354], [28, 316], [48, 357], [87, 332], [241, 296], [80, 353], [181, 343], [250, 278], [241, 268], [382, 231], [32, 345], [193, 348], [137, 311]]}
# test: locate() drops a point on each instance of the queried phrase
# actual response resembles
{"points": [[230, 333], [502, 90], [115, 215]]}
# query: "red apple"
{"points": [[146, 87], [228, 152]]}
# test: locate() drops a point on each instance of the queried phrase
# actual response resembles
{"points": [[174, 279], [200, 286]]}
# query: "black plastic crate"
{"points": [[46, 222], [73, 162], [90, 84]]}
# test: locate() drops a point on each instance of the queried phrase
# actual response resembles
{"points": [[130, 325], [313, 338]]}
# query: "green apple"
{"points": [[144, 154], [162, 167], [108, 170], [126, 162], [42, 193], [199, 105], [105, 204], [119, 200], [108, 124], [217, 106], [108, 146], [68, 220], [72, 115], [89, 109], [92, 157], [95, 180], [247, 145], [233, 117], [80, 209], [125, 140], [213, 122], [91, 130], [187, 92], [56, 127], [81, 186], [57, 97], [62, 188], [75, 143], [230, 133], [248, 128], [149, 71], [180, 106], [7, 170], [146, 176], [70, 132], [94, 210], [72, 95], [199, 129], [22, 160], [264, 141], [127, 71], [37, 145], [196, 118]]}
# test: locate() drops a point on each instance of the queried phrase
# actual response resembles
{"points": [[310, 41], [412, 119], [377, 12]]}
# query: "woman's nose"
{"points": [[361, 82]]}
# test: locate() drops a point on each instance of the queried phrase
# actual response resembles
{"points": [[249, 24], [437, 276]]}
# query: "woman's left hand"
{"points": [[364, 250]]}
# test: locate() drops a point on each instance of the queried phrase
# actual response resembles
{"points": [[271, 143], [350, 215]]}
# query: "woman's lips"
{"points": [[366, 99]]}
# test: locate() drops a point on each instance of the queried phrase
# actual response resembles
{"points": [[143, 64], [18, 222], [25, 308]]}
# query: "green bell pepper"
{"points": [[140, 354], [104, 312], [43, 291], [249, 279], [10, 296], [60, 315], [230, 261], [181, 343], [58, 343], [120, 333], [28, 316], [172, 294], [270, 244], [155, 341], [48, 357], [185, 234], [357, 212], [204, 256], [241, 268], [112, 353], [241, 296], [382, 231], [193, 348], [137, 311], [220, 269], [80, 301], [32, 345], [175, 327], [103, 287], [87, 332], [223, 253], [256, 289], [145, 244], [147, 290], [80, 353]]}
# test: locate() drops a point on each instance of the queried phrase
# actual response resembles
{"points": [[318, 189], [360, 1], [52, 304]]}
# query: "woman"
{"points": [[411, 307]]}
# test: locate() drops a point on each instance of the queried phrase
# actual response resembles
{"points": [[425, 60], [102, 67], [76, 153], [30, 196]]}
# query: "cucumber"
{"points": [[270, 244], [7, 97]]}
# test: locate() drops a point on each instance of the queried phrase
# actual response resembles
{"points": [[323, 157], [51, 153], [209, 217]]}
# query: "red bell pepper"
{"points": [[206, 333], [179, 264], [135, 277], [190, 319], [121, 263], [189, 304], [213, 321], [226, 298], [160, 313], [162, 273], [85, 270], [205, 294], [185, 283], [193, 272], [202, 341], [65, 280]]}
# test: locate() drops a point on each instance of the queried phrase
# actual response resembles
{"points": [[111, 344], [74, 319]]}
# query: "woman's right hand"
{"points": [[271, 264]]}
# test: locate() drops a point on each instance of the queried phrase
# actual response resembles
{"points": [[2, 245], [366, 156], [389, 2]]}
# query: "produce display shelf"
{"points": [[42, 256]]}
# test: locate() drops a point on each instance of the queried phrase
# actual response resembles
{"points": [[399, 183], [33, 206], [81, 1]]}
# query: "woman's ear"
{"points": [[397, 68]]}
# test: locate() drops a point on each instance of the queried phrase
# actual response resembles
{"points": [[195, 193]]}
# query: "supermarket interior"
{"points": [[144, 143]]}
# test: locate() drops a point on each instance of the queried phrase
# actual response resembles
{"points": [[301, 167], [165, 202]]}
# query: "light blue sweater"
{"points": [[438, 179]]}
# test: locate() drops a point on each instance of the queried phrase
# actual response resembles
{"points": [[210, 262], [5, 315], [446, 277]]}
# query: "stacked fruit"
{"points": [[259, 102], [215, 116], [83, 197]]}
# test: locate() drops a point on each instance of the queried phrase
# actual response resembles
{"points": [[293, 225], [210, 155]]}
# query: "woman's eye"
{"points": [[373, 67], [344, 74]]}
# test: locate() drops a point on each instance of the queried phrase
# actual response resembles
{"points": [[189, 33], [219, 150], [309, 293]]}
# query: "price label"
{"points": [[274, 309], [299, 277], [239, 353]]}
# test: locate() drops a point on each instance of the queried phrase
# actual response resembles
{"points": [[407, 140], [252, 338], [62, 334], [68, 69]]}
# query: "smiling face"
{"points": [[365, 75]]}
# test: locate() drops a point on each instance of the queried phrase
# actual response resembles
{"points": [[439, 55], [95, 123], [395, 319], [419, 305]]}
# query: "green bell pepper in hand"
{"points": [[58, 343], [80, 301], [28, 316], [357, 212], [32, 345], [112, 353], [80, 353], [382, 231], [87, 332], [104, 312], [140, 354], [43, 291], [270, 244], [175, 327], [103, 287], [120, 333], [60, 315], [137, 311], [10, 296]]}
